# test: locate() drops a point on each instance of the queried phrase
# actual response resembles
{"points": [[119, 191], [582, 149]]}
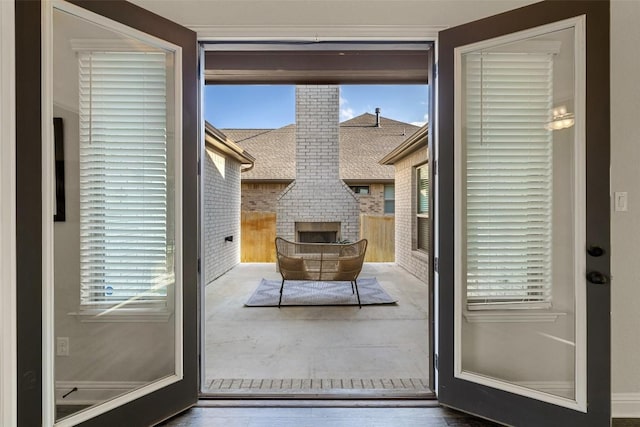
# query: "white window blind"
{"points": [[422, 181], [508, 179], [123, 178]]}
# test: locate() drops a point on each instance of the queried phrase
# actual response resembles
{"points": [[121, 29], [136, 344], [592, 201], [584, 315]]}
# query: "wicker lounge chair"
{"points": [[321, 262]]}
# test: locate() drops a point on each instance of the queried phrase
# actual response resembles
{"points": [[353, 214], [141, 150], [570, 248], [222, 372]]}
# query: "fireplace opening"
{"points": [[317, 236], [317, 232]]}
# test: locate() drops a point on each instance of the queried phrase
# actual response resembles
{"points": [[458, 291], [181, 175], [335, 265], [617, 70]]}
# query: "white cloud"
{"points": [[346, 114], [426, 119]]}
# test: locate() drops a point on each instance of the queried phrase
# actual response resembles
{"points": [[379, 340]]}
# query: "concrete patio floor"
{"points": [[382, 350]]}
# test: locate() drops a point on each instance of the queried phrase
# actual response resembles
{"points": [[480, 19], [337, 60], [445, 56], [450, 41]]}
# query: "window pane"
{"points": [[422, 179], [423, 233], [389, 192], [360, 189], [389, 206], [389, 199]]}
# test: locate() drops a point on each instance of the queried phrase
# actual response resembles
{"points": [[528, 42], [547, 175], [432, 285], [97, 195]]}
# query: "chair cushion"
{"points": [[292, 268], [348, 268]]}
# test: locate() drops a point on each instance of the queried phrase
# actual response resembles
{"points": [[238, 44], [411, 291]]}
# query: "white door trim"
{"points": [[255, 34], [315, 33], [8, 351]]}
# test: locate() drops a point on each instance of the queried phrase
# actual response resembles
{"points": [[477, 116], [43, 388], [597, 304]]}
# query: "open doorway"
{"points": [[330, 173]]}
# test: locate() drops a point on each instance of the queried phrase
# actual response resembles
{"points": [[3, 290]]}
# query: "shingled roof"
{"points": [[362, 145], [274, 150]]}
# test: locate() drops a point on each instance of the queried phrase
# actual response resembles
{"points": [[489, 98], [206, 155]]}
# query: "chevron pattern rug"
{"points": [[300, 293]]}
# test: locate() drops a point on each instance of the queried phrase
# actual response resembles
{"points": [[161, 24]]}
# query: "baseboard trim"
{"points": [[92, 392], [625, 405]]}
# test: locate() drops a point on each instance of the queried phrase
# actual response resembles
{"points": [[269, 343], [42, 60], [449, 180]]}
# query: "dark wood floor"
{"points": [[316, 417], [335, 417]]}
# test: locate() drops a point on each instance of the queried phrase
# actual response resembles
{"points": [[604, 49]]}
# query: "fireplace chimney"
{"points": [[378, 117], [318, 201]]}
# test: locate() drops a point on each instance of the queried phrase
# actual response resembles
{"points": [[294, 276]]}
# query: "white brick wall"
{"points": [[221, 213], [416, 262], [318, 194]]}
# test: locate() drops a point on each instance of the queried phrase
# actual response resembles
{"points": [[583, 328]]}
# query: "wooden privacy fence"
{"points": [[258, 236], [380, 231], [259, 233]]}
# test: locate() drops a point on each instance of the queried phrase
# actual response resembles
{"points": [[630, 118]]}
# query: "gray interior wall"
{"points": [[221, 213], [253, 19], [625, 176]]}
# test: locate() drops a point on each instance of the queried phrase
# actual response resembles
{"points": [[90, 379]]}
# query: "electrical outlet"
{"points": [[62, 346]]}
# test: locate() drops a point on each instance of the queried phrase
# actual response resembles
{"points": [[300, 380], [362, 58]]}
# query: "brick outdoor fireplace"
{"points": [[317, 232], [318, 205]]}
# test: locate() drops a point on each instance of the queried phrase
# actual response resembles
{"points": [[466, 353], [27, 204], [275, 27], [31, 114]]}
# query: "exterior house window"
{"points": [[507, 193], [360, 189], [422, 207], [126, 205], [389, 199]]}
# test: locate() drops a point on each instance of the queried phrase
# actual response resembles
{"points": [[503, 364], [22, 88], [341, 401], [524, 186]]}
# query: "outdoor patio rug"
{"points": [[318, 293]]}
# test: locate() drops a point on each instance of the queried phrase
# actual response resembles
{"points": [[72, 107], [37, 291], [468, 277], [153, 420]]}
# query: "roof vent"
{"points": [[378, 117]]}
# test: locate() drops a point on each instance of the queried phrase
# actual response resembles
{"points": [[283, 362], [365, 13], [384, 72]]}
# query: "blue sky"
{"points": [[273, 106]]}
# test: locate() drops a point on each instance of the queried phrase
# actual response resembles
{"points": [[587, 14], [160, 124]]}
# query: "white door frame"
{"points": [[8, 349], [341, 33]]}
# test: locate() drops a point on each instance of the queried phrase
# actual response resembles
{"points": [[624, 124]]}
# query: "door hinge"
{"points": [[435, 264], [435, 167], [435, 360], [435, 70], [198, 265], [199, 167]]}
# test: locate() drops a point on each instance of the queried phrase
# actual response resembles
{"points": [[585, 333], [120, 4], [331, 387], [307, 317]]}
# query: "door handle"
{"points": [[597, 278], [595, 251]]}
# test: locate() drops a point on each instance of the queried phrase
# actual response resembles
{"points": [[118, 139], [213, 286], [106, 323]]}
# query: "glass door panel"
{"points": [[116, 227], [521, 224], [522, 212]]}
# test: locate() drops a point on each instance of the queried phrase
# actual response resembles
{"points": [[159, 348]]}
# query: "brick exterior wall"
{"points": [[261, 197], [221, 213], [414, 261], [372, 203], [318, 194]]}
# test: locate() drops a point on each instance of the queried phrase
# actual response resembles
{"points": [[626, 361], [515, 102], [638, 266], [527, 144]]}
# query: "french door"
{"points": [[107, 207], [523, 211]]}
